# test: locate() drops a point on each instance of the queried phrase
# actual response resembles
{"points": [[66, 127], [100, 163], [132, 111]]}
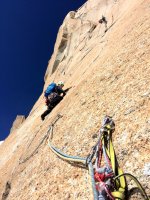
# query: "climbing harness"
{"points": [[107, 179]]}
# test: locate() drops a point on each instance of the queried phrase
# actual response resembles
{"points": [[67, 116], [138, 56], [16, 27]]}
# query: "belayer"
{"points": [[53, 95]]}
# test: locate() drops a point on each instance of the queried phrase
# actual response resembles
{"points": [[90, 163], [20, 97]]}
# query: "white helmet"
{"points": [[61, 83]]}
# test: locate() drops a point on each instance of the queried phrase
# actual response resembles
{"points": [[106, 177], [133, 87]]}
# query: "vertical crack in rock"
{"points": [[60, 54]]}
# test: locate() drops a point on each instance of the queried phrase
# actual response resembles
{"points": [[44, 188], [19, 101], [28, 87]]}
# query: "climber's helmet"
{"points": [[61, 83]]}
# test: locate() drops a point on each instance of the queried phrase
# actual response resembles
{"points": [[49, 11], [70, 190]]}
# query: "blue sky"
{"points": [[28, 30]]}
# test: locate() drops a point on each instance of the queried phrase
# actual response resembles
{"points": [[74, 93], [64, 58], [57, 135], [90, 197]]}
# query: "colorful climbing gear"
{"points": [[107, 179]]}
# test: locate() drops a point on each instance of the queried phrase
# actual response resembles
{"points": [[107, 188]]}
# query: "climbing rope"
{"points": [[45, 137], [108, 181], [75, 159]]}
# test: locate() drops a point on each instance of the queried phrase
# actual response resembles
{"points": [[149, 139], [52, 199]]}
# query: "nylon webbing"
{"points": [[103, 147]]}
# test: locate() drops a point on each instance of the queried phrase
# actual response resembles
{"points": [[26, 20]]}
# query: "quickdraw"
{"points": [[107, 179]]}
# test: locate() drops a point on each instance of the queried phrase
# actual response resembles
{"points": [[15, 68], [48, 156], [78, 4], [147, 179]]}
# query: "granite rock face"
{"points": [[17, 123], [107, 67]]}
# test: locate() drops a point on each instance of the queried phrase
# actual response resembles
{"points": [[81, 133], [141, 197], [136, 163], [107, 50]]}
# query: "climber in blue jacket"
{"points": [[53, 87], [53, 96]]}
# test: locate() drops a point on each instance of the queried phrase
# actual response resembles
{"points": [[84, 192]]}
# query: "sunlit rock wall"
{"points": [[106, 67]]}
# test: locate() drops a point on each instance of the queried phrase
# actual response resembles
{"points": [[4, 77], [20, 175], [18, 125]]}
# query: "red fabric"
{"points": [[99, 177]]}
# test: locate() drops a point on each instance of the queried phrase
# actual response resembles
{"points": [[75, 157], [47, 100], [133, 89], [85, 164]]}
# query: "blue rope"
{"points": [[65, 155], [91, 171]]}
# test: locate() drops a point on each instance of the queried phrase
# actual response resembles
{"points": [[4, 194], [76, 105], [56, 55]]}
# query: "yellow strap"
{"points": [[137, 183], [121, 183], [122, 179], [112, 156], [118, 194]]}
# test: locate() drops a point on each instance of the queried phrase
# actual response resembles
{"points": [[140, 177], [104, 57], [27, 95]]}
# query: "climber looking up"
{"points": [[53, 95]]}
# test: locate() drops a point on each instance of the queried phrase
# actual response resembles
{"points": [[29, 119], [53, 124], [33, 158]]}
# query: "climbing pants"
{"points": [[51, 105]]}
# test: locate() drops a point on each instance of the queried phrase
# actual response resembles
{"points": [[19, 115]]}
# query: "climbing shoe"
{"points": [[42, 117]]}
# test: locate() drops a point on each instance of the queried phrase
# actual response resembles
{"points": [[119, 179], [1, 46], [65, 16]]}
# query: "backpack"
{"points": [[50, 89]]}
